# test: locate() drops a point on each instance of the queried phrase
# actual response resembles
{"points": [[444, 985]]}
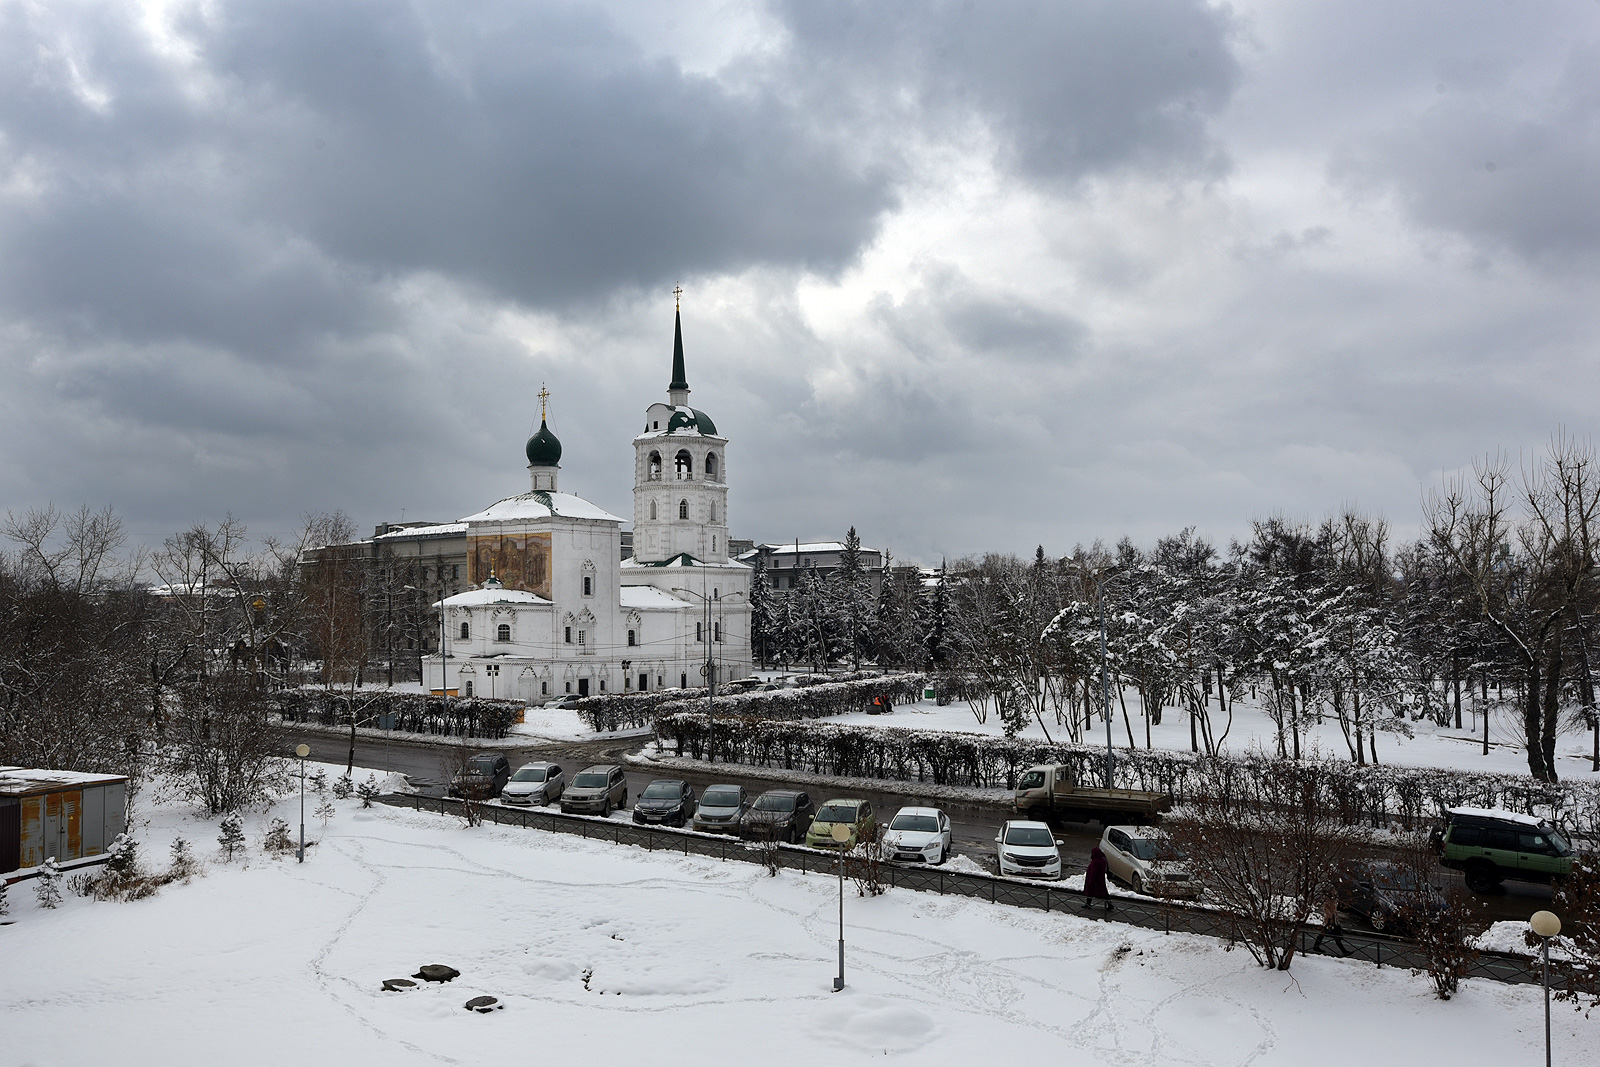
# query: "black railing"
{"points": [[1151, 913]]}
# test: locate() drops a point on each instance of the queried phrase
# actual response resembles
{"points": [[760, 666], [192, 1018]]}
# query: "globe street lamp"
{"points": [[1546, 924], [302, 751], [841, 834]]}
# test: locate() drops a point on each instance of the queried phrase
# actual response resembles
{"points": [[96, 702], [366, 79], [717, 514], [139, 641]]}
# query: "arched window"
{"points": [[683, 464], [713, 511], [713, 542], [683, 513], [633, 638], [652, 509], [502, 632], [466, 630], [654, 472], [469, 689], [711, 466]]}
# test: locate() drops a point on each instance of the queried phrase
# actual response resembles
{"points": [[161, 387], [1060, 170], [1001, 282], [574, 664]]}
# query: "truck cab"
{"points": [[1051, 794]]}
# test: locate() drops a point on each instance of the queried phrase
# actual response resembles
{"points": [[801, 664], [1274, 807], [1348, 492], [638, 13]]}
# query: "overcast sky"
{"points": [[971, 275]]}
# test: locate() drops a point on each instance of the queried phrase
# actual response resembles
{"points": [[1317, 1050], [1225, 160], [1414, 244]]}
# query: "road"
{"points": [[974, 825]]}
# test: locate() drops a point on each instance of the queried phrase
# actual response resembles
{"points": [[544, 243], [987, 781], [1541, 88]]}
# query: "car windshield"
{"points": [[768, 802], [1397, 879], [662, 791], [529, 774], [1145, 849], [1561, 845], [923, 824], [1029, 835], [480, 766], [1031, 780], [590, 781], [837, 813], [720, 798]]}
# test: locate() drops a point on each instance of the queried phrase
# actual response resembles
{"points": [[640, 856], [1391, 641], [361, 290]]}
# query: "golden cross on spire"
{"points": [[677, 293], [544, 401]]}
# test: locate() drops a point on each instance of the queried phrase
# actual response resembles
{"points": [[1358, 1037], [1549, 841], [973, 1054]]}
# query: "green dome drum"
{"points": [[544, 449]]}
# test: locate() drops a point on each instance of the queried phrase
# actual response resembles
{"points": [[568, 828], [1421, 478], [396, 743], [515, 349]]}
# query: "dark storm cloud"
{"points": [[1068, 89]]}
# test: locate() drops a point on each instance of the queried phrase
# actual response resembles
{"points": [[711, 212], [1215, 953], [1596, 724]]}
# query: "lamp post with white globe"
{"points": [[1546, 924], [302, 751]]}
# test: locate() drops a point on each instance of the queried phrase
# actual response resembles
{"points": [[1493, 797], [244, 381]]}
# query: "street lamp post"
{"points": [[709, 668], [841, 834], [302, 751], [1546, 924]]}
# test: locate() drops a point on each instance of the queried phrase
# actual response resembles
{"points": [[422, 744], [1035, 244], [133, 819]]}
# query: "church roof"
{"points": [[541, 505], [682, 559], [443, 529], [646, 596], [473, 598], [544, 449], [680, 380]]}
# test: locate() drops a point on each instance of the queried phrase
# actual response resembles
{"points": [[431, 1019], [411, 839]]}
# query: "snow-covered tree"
{"points": [[47, 886], [231, 837]]}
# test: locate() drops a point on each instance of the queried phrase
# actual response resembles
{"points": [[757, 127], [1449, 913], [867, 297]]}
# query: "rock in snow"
{"points": [[436, 972], [483, 1004], [398, 985]]}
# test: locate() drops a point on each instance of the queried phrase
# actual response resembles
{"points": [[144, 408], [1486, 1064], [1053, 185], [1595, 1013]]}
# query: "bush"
{"points": [[1374, 795], [232, 836], [277, 839], [385, 709], [47, 885], [813, 697], [184, 866]]}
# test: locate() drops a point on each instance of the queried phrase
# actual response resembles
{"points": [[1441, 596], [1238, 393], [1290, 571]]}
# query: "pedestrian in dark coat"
{"points": [[1094, 880]]}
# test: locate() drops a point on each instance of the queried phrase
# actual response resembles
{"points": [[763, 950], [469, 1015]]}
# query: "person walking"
{"points": [[1330, 927], [1094, 880]]}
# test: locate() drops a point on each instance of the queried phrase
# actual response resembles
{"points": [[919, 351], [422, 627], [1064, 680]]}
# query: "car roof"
{"points": [[784, 793], [917, 811], [1497, 815], [1030, 823], [849, 802], [724, 785], [666, 781], [607, 767], [536, 763], [1141, 832]]}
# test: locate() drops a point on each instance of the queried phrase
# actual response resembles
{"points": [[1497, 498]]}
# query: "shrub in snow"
{"points": [[319, 782], [276, 839], [369, 791], [326, 810], [343, 787], [232, 836], [183, 865], [1577, 901], [47, 886], [418, 713], [813, 698]]}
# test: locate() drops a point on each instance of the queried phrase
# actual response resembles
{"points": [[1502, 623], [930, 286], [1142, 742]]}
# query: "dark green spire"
{"points": [[679, 379]]}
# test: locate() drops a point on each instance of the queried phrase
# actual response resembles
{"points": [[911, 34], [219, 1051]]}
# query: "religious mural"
{"points": [[519, 561]]}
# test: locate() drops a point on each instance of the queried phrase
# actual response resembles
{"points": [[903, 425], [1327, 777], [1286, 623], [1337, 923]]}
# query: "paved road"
{"points": [[974, 825]]}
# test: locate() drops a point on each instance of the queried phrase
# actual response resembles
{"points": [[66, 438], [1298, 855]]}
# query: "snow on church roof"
{"points": [[473, 598], [541, 505], [646, 597]]}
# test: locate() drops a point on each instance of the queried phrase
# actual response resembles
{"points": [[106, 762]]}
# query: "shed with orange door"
{"points": [[68, 815]]}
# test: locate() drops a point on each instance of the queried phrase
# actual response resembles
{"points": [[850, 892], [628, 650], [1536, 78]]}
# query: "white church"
{"points": [[553, 609]]}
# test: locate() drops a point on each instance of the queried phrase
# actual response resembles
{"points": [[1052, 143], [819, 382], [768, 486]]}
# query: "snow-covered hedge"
{"points": [[1359, 794], [815, 697], [384, 709]]}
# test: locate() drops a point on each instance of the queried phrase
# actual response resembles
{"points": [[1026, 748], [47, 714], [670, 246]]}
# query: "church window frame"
{"points": [[502, 632], [713, 511], [653, 467], [712, 467], [588, 585], [567, 638], [652, 509], [466, 632], [699, 633], [633, 638], [683, 508], [583, 638], [716, 631], [683, 465]]}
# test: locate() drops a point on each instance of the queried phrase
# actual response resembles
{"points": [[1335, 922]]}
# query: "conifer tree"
{"points": [[48, 884], [369, 791], [232, 836]]}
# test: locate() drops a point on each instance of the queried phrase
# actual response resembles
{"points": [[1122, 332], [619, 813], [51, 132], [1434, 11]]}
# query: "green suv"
{"points": [[855, 814], [1489, 846]]}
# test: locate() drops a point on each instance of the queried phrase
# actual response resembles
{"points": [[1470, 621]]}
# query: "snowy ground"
{"points": [[1432, 746], [605, 954]]}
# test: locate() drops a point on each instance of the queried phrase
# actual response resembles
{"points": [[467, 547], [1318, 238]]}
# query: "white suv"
{"points": [[1027, 849], [918, 835]]}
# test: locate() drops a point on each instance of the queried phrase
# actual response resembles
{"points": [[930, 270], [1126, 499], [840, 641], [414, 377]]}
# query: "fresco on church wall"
{"points": [[519, 561]]}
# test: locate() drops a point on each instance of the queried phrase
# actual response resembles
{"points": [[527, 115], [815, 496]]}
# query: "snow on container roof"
{"points": [[19, 781], [1496, 813], [541, 505]]}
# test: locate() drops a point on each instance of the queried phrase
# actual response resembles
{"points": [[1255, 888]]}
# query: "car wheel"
{"points": [[1138, 885], [944, 854], [1482, 877], [605, 810], [1378, 920]]}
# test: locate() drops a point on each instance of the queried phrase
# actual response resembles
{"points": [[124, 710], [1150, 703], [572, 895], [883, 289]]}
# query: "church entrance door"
{"points": [[583, 687]]}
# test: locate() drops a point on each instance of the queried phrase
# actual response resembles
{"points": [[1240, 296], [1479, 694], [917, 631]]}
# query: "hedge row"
{"points": [[417, 713], [1359, 794], [815, 697]]}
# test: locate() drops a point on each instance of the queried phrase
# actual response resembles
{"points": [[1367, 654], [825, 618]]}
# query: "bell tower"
{"points": [[680, 488]]}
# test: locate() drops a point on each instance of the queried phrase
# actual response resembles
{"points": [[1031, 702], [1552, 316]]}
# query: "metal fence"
{"points": [[1148, 912]]}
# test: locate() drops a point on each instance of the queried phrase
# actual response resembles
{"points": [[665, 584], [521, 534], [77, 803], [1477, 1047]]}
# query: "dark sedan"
{"points": [[721, 809], [1390, 897], [484, 776], [777, 815], [668, 801]]}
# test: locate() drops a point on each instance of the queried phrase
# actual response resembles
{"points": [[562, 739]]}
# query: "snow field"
{"points": [[688, 961]]}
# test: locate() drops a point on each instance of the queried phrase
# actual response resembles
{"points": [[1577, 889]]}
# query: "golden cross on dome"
{"points": [[677, 293], [544, 401]]}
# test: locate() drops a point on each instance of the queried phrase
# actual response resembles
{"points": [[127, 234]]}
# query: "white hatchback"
{"points": [[1146, 860], [918, 835], [1027, 849]]}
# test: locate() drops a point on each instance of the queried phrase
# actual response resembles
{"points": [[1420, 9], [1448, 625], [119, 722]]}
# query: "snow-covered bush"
{"points": [[276, 839], [369, 791], [232, 836], [343, 787], [812, 697], [418, 713], [184, 866], [47, 886]]}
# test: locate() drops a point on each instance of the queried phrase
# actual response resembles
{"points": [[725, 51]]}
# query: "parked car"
{"points": [[565, 703], [777, 814], [855, 814], [1027, 848], [918, 835], [1144, 859], [720, 809], [596, 790], [534, 783], [1489, 846], [1390, 897], [483, 776], [668, 801]]}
